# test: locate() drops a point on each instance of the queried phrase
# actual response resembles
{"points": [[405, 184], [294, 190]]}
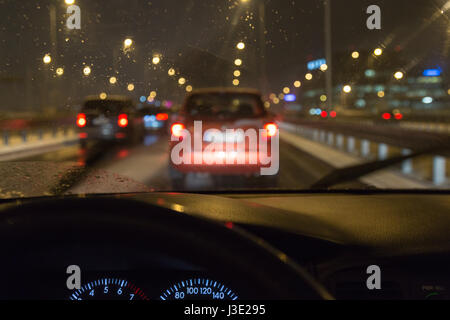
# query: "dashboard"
{"points": [[228, 247]]}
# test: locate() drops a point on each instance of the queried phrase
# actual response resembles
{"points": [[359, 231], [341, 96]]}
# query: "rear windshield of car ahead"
{"points": [[224, 106], [107, 106]]}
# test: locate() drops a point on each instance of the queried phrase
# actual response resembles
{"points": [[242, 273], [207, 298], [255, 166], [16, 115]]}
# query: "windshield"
{"points": [[224, 106], [171, 95]]}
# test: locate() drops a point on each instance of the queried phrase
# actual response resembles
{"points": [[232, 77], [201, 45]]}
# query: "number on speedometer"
{"points": [[198, 289], [109, 289]]}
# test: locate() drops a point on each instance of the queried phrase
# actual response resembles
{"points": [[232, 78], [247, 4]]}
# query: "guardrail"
{"points": [[432, 168], [15, 137]]}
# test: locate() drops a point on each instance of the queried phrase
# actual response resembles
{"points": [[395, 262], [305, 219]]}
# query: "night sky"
{"points": [[293, 32]]}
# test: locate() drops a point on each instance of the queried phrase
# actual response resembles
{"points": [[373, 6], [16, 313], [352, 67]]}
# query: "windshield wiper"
{"points": [[352, 173]]}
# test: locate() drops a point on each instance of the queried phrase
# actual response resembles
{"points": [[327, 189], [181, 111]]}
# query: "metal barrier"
{"points": [[372, 150]]}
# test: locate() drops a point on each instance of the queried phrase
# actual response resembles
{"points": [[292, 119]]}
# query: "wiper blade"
{"points": [[352, 173]]}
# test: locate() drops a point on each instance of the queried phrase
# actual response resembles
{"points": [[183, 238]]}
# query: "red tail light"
{"points": [[81, 120], [123, 120], [398, 116], [162, 116], [386, 116], [333, 114], [177, 129], [271, 129]]}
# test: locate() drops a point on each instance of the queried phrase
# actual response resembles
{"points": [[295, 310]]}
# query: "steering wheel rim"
{"points": [[198, 241]]}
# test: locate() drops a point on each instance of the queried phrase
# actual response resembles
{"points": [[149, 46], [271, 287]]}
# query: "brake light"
{"points": [[123, 120], [81, 120], [162, 116], [386, 116], [398, 116], [177, 129], [271, 129]]}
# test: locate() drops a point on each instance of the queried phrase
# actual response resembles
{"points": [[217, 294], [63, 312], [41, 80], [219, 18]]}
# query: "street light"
{"points": [[236, 82], [355, 54], [347, 88], [308, 76], [156, 59], [398, 75], [286, 90], [47, 59], [237, 73], [240, 46], [323, 67], [113, 80], [378, 51], [297, 84], [238, 62], [87, 71], [127, 43]]}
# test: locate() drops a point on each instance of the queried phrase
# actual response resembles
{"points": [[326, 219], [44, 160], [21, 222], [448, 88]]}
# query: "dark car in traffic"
{"points": [[112, 119]]}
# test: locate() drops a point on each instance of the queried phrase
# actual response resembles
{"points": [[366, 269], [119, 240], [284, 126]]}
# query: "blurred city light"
{"points": [[432, 73], [103, 96], [47, 59], [127, 43], [238, 62], [323, 98], [113, 80], [427, 100], [378, 52], [171, 72], [355, 54], [347, 88], [236, 82], [324, 67], [69, 2], [308, 76], [189, 88], [380, 94], [87, 70], [297, 84], [130, 87], [286, 90], [398, 75], [59, 71], [156, 59], [181, 81], [240, 46], [290, 98], [237, 73]]}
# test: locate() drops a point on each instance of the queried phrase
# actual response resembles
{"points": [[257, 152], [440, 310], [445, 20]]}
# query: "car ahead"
{"points": [[154, 118], [112, 119], [225, 118]]}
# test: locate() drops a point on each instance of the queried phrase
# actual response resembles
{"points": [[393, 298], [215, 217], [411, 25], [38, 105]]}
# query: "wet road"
{"points": [[147, 163]]}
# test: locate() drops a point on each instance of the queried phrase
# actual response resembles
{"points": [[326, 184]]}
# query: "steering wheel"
{"points": [[38, 225]]}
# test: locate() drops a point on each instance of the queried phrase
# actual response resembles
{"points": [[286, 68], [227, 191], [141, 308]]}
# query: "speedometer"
{"points": [[109, 289], [198, 289]]}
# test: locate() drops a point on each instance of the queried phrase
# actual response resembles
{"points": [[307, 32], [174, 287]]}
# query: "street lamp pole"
{"points": [[328, 54], [262, 39]]}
